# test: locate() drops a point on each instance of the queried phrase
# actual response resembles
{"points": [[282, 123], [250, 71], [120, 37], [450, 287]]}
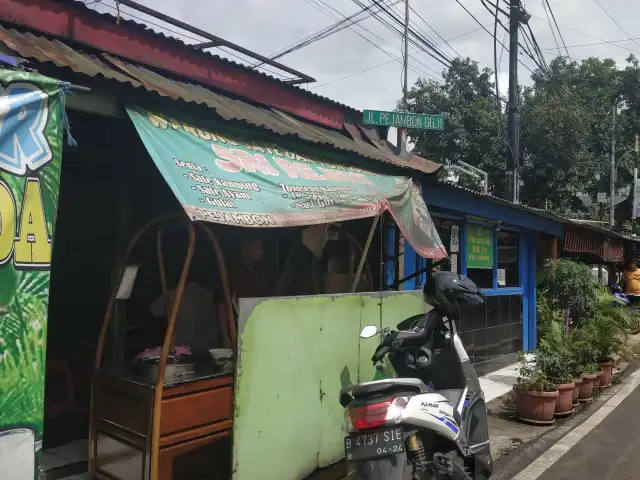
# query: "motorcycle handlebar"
{"points": [[380, 353]]}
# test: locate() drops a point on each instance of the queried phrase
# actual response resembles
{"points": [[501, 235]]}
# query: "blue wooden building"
{"points": [[498, 245]]}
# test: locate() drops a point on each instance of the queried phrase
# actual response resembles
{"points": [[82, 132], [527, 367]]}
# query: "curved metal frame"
{"points": [[169, 334]]}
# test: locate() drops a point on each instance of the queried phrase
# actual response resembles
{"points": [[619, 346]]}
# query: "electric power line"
{"points": [[326, 32], [430, 49], [352, 74], [413, 68], [606, 42], [553, 33], [389, 61], [400, 34], [596, 38], [486, 30], [557, 28], [615, 21], [434, 31]]}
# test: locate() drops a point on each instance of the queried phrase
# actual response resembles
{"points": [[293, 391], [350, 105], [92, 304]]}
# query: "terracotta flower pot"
{"points": [[586, 388], [607, 369], [564, 404], [535, 408], [596, 383], [576, 391]]}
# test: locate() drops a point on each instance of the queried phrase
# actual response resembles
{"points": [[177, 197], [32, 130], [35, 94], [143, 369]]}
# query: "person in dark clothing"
{"points": [[304, 270], [244, 279]]}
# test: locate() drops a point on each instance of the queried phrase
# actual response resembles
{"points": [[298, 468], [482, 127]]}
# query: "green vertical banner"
{"points": [[31, 124], [480, 249]]}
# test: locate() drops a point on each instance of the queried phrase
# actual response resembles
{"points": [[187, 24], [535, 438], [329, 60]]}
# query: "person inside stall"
{"points": [[196, 329], [245, 278], [304, 270]]}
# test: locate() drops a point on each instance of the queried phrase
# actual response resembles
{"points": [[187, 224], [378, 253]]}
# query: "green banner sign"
{"points": [[479, 247], [251, 184], [30, 151], [399, 119]]}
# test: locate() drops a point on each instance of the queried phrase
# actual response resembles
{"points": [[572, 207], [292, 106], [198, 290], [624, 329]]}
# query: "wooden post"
{"points": [[554, 252], [363, 258]]}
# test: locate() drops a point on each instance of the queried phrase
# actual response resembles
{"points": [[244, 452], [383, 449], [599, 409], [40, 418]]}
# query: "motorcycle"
{"points": [[430, 423], [623, 298]]}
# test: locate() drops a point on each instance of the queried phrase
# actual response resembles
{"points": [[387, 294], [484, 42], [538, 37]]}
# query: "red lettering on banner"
{"points": [[298, 170], [342, 176], [255, 162], [227, 161]]}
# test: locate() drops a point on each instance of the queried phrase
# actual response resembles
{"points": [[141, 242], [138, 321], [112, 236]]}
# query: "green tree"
{"points": [[474, 130], [565, 134]]}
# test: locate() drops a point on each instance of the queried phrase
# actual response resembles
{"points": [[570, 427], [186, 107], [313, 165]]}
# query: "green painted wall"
{"points": [[295, 356]]}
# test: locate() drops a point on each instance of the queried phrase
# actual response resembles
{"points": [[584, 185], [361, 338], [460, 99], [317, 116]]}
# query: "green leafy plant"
{"points": [[554, 356], [532, 378], [546, 315], [571, 288], [590, 368], [584, 349]]}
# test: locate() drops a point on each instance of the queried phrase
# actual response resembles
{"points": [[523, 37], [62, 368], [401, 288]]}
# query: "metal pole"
{"points": [[635, 199], [635, 187], [402, 132], [513, 153], [215, 41], [365, 250], [612, 174]]}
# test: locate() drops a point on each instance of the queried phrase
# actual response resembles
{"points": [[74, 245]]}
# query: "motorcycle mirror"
{"points": [[368, 331]]}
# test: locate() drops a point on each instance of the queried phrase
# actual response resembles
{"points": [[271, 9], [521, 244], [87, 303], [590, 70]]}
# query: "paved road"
{"points": [[610, 451]]}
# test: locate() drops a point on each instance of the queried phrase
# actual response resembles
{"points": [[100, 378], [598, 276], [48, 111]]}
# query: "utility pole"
{"points": [[402, 132], [516, 16], [612, 174]]}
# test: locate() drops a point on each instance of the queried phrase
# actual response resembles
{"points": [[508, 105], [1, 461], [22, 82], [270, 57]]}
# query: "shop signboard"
{"points": [[245, 183], [479, 247], [31, 114]]}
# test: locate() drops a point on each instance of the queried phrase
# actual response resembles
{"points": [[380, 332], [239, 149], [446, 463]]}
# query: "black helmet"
{"points": [[448, 291]]}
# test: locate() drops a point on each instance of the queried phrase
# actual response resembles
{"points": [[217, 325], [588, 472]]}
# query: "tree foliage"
{"points": [[565, 127]]}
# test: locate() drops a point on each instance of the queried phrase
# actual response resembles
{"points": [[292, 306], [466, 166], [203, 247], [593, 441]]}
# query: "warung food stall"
{"points": [[171, 414]]}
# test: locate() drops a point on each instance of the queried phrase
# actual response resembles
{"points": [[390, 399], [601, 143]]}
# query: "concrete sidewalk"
{"points": [[515, 445]]}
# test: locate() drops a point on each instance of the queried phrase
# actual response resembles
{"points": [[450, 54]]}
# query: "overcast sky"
{"points": [[267, 26]]}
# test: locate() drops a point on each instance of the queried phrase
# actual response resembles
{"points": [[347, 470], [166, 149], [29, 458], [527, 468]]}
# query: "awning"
{"points": [[581, 240], [251, 184]]}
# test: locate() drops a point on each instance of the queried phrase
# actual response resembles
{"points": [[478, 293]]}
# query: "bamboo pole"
{"points": [[231, 323], [363, 258], [103, 334], [168, 337]]}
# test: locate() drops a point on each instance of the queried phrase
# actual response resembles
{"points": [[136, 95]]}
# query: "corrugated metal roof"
{"points": [[546, 214], [141, 27], [112, 68]]}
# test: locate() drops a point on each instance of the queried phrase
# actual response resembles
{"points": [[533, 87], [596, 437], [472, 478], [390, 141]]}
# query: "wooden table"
{"points": [[195, 426]]}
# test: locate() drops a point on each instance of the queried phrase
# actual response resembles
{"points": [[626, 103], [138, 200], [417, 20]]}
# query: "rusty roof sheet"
{"points": [[113, 68], [56, 52]]}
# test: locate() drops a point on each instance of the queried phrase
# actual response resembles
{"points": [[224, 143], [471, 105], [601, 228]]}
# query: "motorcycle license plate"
{"points": [[374, 444]]}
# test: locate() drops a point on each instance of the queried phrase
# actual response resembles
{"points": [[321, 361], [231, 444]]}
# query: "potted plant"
{"points": [[608, 331], [577, 382], [536, 396], [554, 358], [586, 356]]}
